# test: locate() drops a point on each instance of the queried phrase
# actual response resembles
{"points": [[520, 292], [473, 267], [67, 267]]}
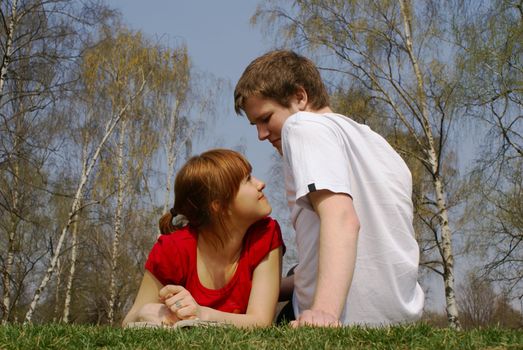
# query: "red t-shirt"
{"points": [[172, 260]]}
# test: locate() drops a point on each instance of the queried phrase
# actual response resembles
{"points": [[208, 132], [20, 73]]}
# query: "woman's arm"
{"points": [[147, 305], [262, 301]]}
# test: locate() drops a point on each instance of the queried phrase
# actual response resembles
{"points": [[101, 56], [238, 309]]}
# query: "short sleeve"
{"points": [[164, 261], [262, 237], [316, 156]]}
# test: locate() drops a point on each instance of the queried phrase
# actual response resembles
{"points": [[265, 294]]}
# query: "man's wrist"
{"points": [[328, 309]]}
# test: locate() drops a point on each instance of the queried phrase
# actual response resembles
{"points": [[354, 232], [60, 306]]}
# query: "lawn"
{"points": [[420, 336]]}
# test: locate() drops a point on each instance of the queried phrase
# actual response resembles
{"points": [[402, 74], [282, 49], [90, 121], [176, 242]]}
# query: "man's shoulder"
{"points": [[307, 124]]}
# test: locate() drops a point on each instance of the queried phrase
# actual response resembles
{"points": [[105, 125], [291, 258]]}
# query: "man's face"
{"points": [[269, 116]]}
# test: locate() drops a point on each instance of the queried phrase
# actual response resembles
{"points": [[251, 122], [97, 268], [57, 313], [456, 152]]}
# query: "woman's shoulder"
{"points": [[182, 237], [262, 237], [267, 223], [263, 230]]}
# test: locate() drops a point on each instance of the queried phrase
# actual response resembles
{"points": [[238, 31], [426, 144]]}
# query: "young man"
{"points": [[350, 199]]}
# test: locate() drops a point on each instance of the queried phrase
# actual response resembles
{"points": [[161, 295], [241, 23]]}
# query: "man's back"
{"points": [[333, 152]]}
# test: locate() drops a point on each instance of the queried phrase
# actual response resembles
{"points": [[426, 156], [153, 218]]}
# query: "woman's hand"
{"points": [[178, 300]]}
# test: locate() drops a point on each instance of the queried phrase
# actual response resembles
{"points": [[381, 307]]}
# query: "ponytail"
{"points": [[166, 224]]}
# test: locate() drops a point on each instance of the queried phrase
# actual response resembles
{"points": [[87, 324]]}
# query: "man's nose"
{"points": [[263, 133]]}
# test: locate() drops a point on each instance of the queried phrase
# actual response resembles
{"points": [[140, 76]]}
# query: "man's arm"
{"points": [[339, 227]]}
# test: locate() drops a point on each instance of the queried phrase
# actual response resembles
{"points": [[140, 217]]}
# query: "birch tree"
{"points": [[110, 125], [39, 43], [173, 112], [392, 50], [161, 115], [116, 74], [491, 42], [492, 52]]}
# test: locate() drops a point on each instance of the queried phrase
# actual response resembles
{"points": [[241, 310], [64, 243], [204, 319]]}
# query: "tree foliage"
{"points": [[86, 106]]}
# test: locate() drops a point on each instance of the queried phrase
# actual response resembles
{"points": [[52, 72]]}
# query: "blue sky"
{"points": [[221, 42]]}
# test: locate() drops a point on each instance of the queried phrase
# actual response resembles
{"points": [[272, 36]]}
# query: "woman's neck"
{"points": [[216, 263], [227, 251]]}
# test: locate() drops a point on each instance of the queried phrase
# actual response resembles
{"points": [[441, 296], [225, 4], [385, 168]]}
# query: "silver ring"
{"points": [[178, 304]]}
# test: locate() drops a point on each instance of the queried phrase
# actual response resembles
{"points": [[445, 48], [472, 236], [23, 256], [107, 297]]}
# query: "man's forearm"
{"points": [[339, 227], [337, 257]]}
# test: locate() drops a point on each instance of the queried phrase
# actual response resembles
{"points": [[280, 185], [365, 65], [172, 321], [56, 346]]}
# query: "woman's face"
{"points": [[250, 204]]}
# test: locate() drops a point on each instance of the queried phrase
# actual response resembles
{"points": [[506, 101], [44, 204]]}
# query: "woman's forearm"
{"points": [[238, 320]]}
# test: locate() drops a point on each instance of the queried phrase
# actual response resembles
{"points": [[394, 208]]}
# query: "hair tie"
{"points": [[173, 212]]}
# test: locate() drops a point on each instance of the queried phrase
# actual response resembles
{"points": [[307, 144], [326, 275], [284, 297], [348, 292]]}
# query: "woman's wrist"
{"points": [[204, 314]]}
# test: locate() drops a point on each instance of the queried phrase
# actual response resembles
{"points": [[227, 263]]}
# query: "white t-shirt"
{"points": [[333, 152]]}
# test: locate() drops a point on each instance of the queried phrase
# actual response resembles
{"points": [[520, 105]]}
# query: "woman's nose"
{"points": [[260, 185]]}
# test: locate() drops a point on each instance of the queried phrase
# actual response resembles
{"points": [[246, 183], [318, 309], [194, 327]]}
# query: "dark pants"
{"points": [[287, 312]]}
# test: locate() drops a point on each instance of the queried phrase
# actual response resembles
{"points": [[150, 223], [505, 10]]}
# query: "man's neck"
{"points": [[326, 109]]}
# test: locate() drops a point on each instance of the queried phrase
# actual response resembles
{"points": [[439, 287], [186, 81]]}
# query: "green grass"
{"points": [[418, 336]]}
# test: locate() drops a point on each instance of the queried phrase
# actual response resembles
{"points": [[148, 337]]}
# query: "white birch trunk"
{"points": [[117, 221], [447, 257], [76, 205], [57, 289], [72, 270], [6, 273], [8, 47], [6, 278], [171, 153], [74, 251], [446, 234]]}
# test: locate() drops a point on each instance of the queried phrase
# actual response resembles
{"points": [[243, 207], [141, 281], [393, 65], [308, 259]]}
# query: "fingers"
{"points": [[175, 303], [170, 290], [187, 312], [184, 309], [181, 303], [315, 318]]}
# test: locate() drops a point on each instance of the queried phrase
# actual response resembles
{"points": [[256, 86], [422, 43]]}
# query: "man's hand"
{"points": [[316, 318]]}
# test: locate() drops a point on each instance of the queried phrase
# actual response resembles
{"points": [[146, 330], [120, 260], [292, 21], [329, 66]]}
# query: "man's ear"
{"points": [[301, 98]]}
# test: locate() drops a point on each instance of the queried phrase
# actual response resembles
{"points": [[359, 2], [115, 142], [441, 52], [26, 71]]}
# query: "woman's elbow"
{"points": [[265, 322]]}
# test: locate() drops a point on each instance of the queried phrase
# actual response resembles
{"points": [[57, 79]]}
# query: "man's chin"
{"points": [[277, 146]]}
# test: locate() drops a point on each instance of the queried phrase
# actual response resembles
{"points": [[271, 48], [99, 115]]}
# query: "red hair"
{"points": [[204, 187]]}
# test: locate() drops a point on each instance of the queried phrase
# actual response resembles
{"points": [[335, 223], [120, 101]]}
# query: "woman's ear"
{"points": [[218, 208], [301, 98], [215, 206]]}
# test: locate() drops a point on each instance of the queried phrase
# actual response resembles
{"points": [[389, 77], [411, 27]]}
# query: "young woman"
{"points": [[225, 264]]}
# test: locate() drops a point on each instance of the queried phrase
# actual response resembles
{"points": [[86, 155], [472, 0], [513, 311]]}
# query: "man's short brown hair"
{"points": [[277, 75]]}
